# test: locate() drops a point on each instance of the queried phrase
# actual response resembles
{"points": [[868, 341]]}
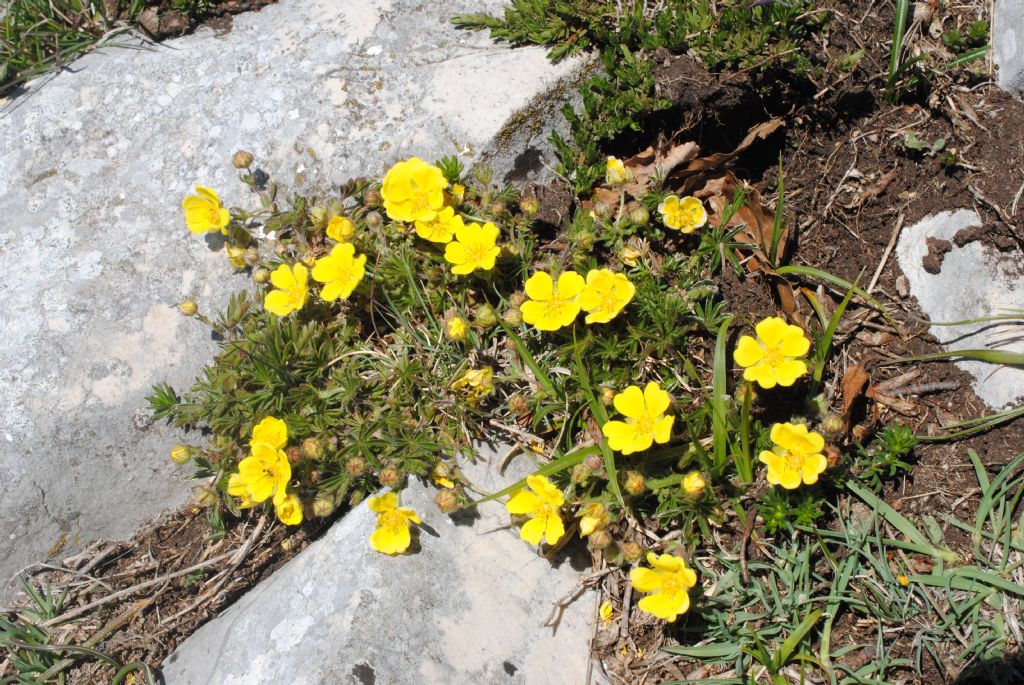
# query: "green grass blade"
{"points": [[538, 373], [900, 523], [825, 344], [601, 416], [719, 395], [899, 29], [561, 464], [785, 651], [989, 356], [811, 272]]}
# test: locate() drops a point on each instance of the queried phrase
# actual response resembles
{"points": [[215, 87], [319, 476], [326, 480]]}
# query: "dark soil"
{"points": [[169, 19], [851, 186]]}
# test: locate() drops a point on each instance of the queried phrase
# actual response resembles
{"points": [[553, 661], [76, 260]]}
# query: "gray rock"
{"points": [[973, 280], [94, 254], [1008, 44], [468, 606]]}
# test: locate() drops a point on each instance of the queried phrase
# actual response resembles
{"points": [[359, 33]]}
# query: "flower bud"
{"points": [[694, 484], [484, 316], [314, 477], [323, 507], [508, 252], [318, 214], [529, 205], [311, 448], [518, 405], [251, 256], [602, 210], [181, 454], [599, 539], [585, 240], [188, 308], [374, 220], [447, 501], [261, 276], [513, 316], [294, 454], [832, 426], [235, 255], [516, 299], [832, 456], [389, 476], [355, 466], [581, 474], [498, 207], [206, 497], [594, 462], [632, 551], [456, 328], [607, 395], [242, 159], [640, 216], [634, 483], [371, 199]]}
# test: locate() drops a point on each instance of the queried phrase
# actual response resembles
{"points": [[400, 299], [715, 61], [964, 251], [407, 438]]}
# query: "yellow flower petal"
{"points": [[663, 429], [787, 372], [794, 342], [630, 402], [644, 579], [533, 530], [570, 285], [656, 399], [771, 330], [384, 503], [271, 431], [747, 352], [522, 502], [389, 540], [554, 529], [539, 286]]}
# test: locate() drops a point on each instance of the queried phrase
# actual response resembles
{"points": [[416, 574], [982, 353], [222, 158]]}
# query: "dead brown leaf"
{"points": [[908, 409], [714, 161], [854, 380], [645, 165]]}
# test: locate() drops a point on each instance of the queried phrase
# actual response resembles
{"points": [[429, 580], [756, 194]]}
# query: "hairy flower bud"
{"points": [[261, 276], [640, 216], [323, 507], [447, 501], [694, 484], [599, 539], [513, 316], [634, 483], [529, 205], [355, 466], [294, 454], [607, 395], [251, 256], [242, 159], [581, 474], [484, 316], [518, 405], [390, 476], [206, 497], [374, 220], [188, 308], [181, 454], [593, 462], [632, 551], [602, 210], [498, 207], [371, 198], [312, 449], [832, 426]]}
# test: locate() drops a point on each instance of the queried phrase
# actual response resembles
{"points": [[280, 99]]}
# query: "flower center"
{"points": [[392, 520], [773, 356], [553, 307], [476, 252], [420, 201], [670, 585], [645, 424], [609, 302], [794, 461]]}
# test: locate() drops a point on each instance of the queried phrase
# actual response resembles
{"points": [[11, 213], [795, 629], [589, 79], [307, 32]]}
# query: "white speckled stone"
{"points": [[94, 254], [975, 281], [467, 607], [1008, 44]]}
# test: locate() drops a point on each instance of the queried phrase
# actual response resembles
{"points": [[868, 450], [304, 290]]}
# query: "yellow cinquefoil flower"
{"points": [[476, 383], [667, 581], [685, 215], [474, 248], [238, 488], [593, 516], [694, 484], [291, 284], [616, 172], [270, 431], [796, 457], [340, 272], [605, 612], [289, 509], [341, 228], [552, 306], [541, 501], [629, 254], [204, 213], [605, 294], [645, 422], [413, 191], [441, 228], [772, 359], [392, 533], [457, 328], [265, 473]]}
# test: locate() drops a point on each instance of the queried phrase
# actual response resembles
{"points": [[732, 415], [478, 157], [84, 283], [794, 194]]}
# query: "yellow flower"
{"points": [[476, 383], [667, 582], [552, 306], [616, 172], [605, 612], [457, 328], [796, 457], [341, 228], [391, 535], [473, 248], [341, 271], [181, 454], [772, 358], [645, 422], [605, 294], [593, 516], [458, 192], [289, 510], [270, 431], [264, 473], [685, 215], [628, 255], [413, 191], [694, 484], [204, 213], [291, 292], [441, 228], [542, 505], [903, 580]]}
